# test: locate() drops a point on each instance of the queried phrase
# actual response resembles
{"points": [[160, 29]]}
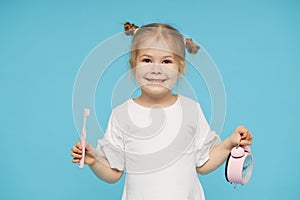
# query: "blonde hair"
{"points": [[160, 32]]}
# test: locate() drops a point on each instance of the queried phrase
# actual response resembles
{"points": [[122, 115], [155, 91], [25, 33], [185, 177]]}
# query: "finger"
{"points": [[87, 146], [75, 155], [76, 150], [240, 127], [244, 133], [245, 142], [243, 130], [75, 160], [78, 145], [250, 136]]}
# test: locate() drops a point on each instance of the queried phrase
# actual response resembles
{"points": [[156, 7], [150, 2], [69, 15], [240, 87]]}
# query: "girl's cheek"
{"points": [[171, 71], [142, 69]]}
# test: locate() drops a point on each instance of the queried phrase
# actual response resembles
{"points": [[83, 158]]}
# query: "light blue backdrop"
{"points": [[255, 45]]}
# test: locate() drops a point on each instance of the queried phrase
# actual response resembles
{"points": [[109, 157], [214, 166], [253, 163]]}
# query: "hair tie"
{"points": [[134, 32], [184, 41]]}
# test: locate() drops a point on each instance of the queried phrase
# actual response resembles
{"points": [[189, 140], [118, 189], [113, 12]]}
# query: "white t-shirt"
{"points": [[159, 149]]}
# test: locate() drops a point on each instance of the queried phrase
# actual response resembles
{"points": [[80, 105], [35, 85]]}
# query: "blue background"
{"points": [[255, 45]]}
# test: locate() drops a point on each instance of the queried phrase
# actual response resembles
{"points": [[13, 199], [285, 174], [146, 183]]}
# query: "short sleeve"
{"points": [[205, 139], [112, 145]]}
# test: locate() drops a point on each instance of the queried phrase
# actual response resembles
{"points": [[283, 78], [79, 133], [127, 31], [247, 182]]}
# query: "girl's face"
{"points": [[156, 70]]}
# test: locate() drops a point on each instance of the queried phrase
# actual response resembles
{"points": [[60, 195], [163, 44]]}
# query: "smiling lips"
{"points": [[155, 81]]}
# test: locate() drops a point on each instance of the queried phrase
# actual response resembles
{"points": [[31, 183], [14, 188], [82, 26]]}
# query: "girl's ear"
{"points": [[181, 67], [133, 71]]}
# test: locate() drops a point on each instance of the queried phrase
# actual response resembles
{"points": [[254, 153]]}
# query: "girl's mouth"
{"points": [[155, 81]]}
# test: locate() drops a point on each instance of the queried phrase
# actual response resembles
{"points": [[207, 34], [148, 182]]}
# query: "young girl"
{"points": [[162, 140]]}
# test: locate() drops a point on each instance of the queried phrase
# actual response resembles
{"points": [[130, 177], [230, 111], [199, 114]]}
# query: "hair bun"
{"points": [[191, 46], [130, 28]]}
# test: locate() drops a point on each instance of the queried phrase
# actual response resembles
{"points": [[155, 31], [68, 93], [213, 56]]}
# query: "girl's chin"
{"points": [[156, 89]]}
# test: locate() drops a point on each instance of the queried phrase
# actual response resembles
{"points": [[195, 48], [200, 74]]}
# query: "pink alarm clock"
{"points": [[239, 165]]}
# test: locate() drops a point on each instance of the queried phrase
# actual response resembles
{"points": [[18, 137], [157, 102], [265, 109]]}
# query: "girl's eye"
{"points": [[146, 60], [167, 61]]}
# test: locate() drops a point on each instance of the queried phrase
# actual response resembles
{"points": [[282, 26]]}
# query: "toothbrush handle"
{"points": [[83, 138]]}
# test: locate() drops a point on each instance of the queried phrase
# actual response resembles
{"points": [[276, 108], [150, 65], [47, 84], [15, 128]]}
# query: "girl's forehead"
{"points": [[156, 44]]}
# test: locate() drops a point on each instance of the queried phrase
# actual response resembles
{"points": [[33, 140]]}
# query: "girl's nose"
{"points": [[156, 69], [156, 72]]}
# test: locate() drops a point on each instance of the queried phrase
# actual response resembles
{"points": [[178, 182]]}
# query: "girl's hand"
{"points": [[77, 154], [241, 136]]}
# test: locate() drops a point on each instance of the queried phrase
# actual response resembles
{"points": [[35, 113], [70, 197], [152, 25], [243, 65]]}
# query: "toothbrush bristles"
{"points": [[86, 112]]}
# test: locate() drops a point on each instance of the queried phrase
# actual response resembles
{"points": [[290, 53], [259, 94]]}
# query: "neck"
{"points": [[164, 99]]}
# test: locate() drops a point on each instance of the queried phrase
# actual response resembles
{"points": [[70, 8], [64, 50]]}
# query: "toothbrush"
{"points": [[86, 113]]}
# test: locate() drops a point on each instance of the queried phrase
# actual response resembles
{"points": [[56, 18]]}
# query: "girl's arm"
{"points": [[97, 164], [102, 171], [219, 153]]}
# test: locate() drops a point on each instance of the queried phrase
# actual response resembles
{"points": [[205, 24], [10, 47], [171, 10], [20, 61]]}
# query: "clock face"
{"points": [[247, 168]]}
